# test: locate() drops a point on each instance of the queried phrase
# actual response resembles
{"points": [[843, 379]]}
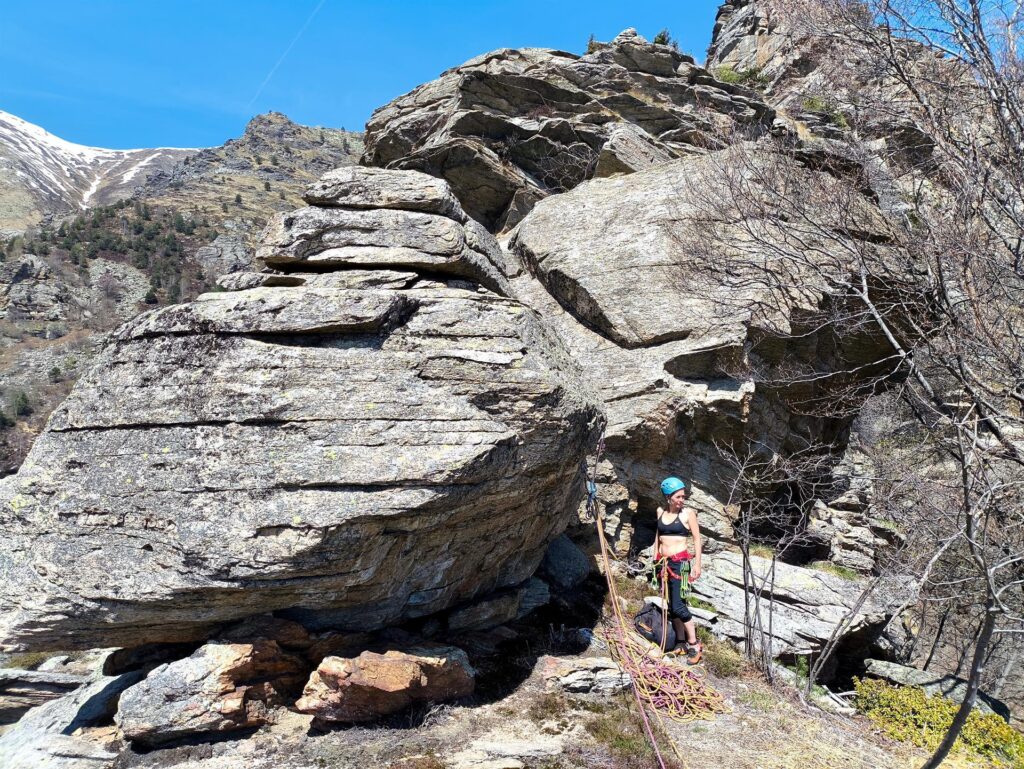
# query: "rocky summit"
{"points": [[510, 127], [356, 436]]}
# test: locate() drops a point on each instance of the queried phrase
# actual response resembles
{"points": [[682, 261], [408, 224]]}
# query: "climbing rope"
{"points": [[669, 691]]}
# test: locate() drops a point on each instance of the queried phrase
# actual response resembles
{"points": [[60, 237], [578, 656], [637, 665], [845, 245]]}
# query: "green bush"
{"points": [[908, 714], [665, 38], [751, 77], [22, 407], [819, 105]]}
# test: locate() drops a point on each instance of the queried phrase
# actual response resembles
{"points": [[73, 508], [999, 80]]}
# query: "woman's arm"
{"points": [[657, 537], [695, 531]]}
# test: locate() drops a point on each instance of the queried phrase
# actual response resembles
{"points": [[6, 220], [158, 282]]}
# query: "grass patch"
{"points": [[758, 699], [621, 733], [632, 590], [762, 551], [820, 106], [700, 603], [907, 714], [833, 568], [549, 706], [720, 657], [28, 660], [752, 77]]}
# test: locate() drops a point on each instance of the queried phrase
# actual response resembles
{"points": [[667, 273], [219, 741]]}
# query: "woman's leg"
{"points": [[682, 620]]}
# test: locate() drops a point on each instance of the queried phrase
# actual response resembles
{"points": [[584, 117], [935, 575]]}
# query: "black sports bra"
{"points": [[675, 529]]}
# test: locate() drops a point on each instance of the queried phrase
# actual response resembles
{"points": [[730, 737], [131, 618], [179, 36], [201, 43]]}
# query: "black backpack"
{"points": [[650, 622]]}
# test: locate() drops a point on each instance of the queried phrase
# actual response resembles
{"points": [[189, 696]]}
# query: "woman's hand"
{"points": [[694, 572]]}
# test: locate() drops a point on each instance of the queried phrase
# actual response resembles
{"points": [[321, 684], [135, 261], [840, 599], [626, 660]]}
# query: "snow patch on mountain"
{"points": [[45, 174]]}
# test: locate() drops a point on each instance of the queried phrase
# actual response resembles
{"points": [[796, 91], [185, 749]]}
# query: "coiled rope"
{"points": [[669, 691]]}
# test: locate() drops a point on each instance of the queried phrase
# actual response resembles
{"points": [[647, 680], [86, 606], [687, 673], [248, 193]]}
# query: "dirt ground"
{"points": [[534, 727]]}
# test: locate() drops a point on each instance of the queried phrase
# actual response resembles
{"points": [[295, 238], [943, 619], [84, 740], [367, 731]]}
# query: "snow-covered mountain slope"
{"points": [[42, 174]]}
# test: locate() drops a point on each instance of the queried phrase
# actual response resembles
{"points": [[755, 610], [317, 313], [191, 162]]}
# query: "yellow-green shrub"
{"points": [[908, 714]]}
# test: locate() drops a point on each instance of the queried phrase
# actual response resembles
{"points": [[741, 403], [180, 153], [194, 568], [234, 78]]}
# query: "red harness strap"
{"points": [[677, 558]]}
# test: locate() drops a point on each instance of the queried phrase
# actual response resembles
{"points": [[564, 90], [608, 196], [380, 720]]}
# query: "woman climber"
{"points": [[678, 563]]}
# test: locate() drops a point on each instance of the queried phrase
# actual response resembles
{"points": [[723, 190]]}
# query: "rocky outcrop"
{"points": [[21, 690], [227, 253], [31, 291], [510, 127], [674, 328], [222, 687], [378, 684], [586, 675], [55, 735], [381, 442], [806, 604]]}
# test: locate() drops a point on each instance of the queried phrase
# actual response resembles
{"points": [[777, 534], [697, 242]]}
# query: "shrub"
{"points": [[751, 77], [665, 38], [908, 714], [21, 405], [592, 44], [763, 551], [821, 106], [54, 375], [266, 186]]}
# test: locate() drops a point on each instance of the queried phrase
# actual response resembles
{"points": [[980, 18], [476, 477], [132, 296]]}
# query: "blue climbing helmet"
{"points": [[670, 486]]}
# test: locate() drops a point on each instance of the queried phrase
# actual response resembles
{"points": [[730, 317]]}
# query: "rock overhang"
{"points": [[380, 442]]}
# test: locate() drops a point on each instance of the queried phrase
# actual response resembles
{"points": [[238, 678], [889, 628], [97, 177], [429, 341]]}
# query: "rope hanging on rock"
{"points": [[669, 691]]}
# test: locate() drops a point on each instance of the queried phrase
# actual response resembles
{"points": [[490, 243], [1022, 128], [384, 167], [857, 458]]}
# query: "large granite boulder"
{"points": [[806, 604], [222, 687], [681, 330], [376, 684], [509, 127], [374, 437]]}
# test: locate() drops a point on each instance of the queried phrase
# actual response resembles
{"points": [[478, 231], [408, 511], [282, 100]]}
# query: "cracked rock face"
{"points": [[673, 334], [510, 127], [367, 440]]}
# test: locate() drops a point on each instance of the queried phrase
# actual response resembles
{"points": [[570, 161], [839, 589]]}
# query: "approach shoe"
{"points": [[694, 653]]}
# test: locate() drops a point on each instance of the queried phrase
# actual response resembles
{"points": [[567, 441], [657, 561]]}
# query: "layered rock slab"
{"points": [[510, 127], [378, 449]]}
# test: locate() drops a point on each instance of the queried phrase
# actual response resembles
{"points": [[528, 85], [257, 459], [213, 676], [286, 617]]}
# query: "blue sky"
{"points": [[190, 73]]}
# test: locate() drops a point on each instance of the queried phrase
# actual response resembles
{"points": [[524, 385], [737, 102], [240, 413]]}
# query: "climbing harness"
{"points": [[668, 691]]}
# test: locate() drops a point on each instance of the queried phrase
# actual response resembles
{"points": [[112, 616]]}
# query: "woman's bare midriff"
{"points": [[670, 545]]}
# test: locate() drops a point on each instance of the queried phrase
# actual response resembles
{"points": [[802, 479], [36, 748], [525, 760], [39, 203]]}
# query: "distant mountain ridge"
{"points": [[42, 174]]}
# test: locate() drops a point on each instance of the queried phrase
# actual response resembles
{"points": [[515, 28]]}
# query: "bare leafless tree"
{"points": [[920, 254]]}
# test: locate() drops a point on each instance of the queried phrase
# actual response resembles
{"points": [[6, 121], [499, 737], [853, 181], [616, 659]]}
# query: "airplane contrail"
{"points": [[286, 52]]}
